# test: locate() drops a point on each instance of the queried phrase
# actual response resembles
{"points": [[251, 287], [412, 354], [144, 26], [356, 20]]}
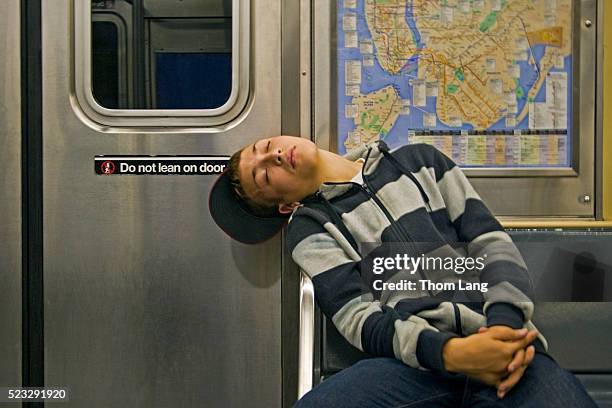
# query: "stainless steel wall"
{"points": [[10, 196], [147, 302]]}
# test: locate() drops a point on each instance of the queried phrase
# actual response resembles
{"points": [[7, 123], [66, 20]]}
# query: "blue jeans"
{"points": [[386, 382]]}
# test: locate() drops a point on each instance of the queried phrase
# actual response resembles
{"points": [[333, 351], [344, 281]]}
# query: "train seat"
{"points": [[578, 332]]}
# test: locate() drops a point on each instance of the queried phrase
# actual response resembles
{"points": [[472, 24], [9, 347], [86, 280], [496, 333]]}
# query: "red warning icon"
{"points": [[107, 167]]}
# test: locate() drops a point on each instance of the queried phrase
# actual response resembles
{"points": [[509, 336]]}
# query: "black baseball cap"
{"points": [[233, 215]]}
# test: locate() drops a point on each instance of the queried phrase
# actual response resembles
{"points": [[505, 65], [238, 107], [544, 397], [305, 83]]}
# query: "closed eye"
{"points": [[267, 150]]}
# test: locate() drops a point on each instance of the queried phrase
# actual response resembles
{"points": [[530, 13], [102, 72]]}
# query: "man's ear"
{"points": [[287, 208]]}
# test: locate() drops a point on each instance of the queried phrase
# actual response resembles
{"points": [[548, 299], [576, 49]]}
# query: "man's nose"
{"points": [[273, 157]]}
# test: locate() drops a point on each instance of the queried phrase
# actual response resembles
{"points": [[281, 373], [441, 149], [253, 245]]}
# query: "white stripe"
{"points": [[406, 338], [498, 246], [426, 177], [505, 292], [471, 321], [319, 253], [456, 190], [366, 222], [400, 197], [342, 241], [373, 161], [442, 317], [488, 237], [350, 318]]}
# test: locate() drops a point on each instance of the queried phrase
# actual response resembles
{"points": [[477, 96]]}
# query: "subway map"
{"points": [[488, 82]]}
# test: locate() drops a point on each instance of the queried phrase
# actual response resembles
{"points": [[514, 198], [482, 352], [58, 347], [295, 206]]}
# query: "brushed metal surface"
{"points": [[147, 302], [306, 69], [290, 125], [10, 196], [515, 192], [324, 84]]}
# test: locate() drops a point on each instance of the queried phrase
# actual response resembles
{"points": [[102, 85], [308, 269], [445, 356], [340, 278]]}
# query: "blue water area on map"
{"points": [[375, 78], [416, 36]]}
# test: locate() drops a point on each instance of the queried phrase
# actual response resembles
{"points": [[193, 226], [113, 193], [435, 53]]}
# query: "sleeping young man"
{"points": [[429, 348]]}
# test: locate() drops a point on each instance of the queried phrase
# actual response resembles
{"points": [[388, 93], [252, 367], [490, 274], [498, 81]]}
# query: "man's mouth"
{"points": [[292, 157]]}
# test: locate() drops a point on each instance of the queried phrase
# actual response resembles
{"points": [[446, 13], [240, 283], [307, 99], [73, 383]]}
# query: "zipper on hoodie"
{"points": [[401, 232], [395, 227], [403, 235]]}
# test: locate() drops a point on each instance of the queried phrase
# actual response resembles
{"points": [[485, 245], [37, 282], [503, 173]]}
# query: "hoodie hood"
{"points": [[370, 152]]}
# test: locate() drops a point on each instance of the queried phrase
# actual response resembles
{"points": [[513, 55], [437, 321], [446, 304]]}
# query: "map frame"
{"points": [[575, 111]]}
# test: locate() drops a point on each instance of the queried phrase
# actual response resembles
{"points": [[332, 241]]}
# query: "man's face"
{"points": [[280, 169]]}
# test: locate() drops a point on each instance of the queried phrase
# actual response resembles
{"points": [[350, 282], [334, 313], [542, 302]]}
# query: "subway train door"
{"points": [[146, 302]]}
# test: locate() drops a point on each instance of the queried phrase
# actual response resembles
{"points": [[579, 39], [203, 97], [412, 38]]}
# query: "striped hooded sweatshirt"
{"points": [[413, 194]]}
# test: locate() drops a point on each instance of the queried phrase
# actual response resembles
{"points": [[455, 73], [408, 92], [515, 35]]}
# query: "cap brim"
{"points": [[235, 219]]}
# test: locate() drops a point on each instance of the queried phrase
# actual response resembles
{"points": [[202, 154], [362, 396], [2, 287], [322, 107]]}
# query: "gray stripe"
{"points": [[442, 317], [366, 222], [396, 199], [373, 159], [530, 326], [505, 292], [456, 190], [503, 252], [330, 191], [391, 297], [357, 152], [471, 321], [319, 253], [343, 243], [488, 237], [406, 337], [498, 246], [426, 177], [350, 318]]}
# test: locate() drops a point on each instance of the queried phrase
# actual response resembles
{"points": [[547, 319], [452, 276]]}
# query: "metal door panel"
{"points": [[10, 196], [147, 302]]}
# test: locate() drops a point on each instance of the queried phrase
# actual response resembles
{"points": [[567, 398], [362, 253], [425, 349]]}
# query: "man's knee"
{"points": [[309, 400], [378, 382], [348, 385], [549, 382]]}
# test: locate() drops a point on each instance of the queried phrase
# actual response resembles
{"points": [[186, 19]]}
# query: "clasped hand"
{"points": [[497, 355]]}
